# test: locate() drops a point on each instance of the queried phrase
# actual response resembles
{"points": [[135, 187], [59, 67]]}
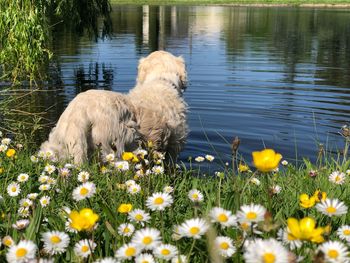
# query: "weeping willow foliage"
{"points": [[26, 28]]}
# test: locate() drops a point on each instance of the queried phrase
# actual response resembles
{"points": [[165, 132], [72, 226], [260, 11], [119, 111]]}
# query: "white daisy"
{"points": [[199, 159], [24, 251], [127, 251], [159, 201], [13, 189], [344, 233], [45, 201], [126, 229], [195, 195], [64, 172], [145, 258], [23, 211], [86, 190], [23, 177], [44, 187], [287, 239], [21, 224], [168, 189], [121, 165], [222, 216], [129, 183], [276, 189], [50, 168], [147, 238], [158, 169], [32, 196], [7, 241], [139, 216], [69, 166], [84, 248], [165, 251], [134, 189], [106, 260], [179, 259], [141, 152], [34, 159], [334, 251], [251, 213], [25, 202], [284, 162], [194, 228], [51, 181], [332, 207], [209, 157], [83, 176], [109, 158], [3, 148], [55, 242], [255, 181], [6, 141], [224, 246], [337, 177], [265, 251], [43, 178]]}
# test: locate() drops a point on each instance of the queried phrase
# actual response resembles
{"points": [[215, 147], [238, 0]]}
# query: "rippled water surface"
{"points": [[274, 77]]}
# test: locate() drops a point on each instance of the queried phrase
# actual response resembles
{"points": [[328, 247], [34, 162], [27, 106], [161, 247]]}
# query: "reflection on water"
{"points": [[275, 77]]}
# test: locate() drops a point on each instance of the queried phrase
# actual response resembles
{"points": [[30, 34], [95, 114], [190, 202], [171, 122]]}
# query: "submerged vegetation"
{"points": [[26, 29], [136, 209]]}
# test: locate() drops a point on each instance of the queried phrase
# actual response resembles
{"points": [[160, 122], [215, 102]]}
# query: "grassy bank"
{"points": [[306, 3], [136, 209]]}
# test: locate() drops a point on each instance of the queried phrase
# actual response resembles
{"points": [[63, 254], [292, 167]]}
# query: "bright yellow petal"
{"points": [[307, 227], [293, 227]]}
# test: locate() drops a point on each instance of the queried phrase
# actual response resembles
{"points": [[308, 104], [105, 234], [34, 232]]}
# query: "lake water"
{"points": [[274, 77]]}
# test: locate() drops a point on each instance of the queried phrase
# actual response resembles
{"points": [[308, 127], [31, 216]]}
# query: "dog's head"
{"points": [[163, 65]]}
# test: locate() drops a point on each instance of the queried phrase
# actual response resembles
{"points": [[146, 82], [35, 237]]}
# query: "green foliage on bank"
{"points": [[26, 28]]}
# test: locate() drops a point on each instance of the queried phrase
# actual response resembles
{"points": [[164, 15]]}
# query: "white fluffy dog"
{"points": [[152, 111]]}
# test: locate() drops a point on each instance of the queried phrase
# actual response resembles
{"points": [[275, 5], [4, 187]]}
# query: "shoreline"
{"points": [[252, 4]]}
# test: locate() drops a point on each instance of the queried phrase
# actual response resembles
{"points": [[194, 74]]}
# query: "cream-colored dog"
{"points": [[153, 110]]}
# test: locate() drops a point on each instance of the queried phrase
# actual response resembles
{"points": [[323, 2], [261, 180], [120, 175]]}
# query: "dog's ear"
{"points": [[142, 69], [181, 69]]}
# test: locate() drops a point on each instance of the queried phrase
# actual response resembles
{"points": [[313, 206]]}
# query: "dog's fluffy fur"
{"points": [[153, 110]]}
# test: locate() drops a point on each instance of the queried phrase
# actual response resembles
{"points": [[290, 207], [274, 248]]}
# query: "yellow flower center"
{"points": [[147, 240], [332, 253], [21, 252], [165, 252], [126, 230], [139, 217], [251, 215], [85, 248], [144, 261], [44, 202], [245, 226], [222, 218], [337, 178], [158, 201], [194, 230], [195, 196], [130, 251], [331, 209], [269, 258], [55, 239], [13, 189], [84, 191], [224, 245], [7, 242], [346, 232], [25, 204]]}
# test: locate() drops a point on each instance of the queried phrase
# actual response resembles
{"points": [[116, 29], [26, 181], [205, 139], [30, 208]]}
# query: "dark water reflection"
{"points": [[275, 77]]}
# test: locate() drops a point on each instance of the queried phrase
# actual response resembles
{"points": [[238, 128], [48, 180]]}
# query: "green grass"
{"points": [[228, 191], [234, 2]]}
